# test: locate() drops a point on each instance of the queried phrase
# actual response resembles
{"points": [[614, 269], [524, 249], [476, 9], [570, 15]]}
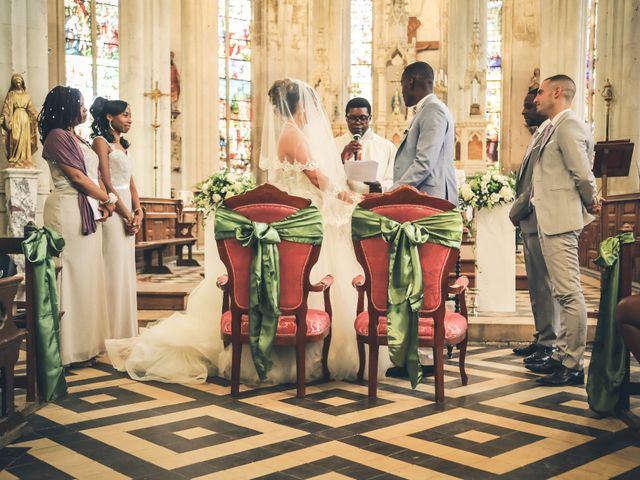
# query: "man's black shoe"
{"points": [[545, 367], [542, 355], [525, 351], [562, 376]]}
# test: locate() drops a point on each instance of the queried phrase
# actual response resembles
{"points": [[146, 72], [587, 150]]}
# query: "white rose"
{"points": [[232, 177], [237, 187], [506, 193], [495, 198], [467, 193], [216, 198], [486, 178]]}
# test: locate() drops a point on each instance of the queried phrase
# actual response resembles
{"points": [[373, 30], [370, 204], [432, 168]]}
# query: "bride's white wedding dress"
{"points": [[186, 347]]}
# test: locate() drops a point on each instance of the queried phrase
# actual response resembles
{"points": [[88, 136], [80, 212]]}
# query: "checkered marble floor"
{"points": [[501, 425]]}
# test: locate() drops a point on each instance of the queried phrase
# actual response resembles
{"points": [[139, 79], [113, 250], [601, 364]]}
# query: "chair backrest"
{"points": [[268, 204], [402, 205], [629, 256]]}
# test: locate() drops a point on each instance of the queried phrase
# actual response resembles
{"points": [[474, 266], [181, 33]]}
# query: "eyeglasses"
{"points": [[358, 118]]}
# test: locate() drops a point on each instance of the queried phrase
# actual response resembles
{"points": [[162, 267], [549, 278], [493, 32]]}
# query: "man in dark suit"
{"points": [[545, 308]]}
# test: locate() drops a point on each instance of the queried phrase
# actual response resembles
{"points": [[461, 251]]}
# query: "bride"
{"points": [[300, 158]]}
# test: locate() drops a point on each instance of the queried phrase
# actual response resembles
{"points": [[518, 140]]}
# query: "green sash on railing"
{"points": [[303, 226], [405, 292], [39, 246], [608, 360]]}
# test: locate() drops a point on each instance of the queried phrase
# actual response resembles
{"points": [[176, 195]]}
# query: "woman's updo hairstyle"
{"points": [[285, 92], [100, 127], [61, 109]]}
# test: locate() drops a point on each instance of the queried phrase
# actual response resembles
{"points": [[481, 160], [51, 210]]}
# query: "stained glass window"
{"points": [[361, 48], [590, 80], [234, 82], [494, 77], [92, 53]]}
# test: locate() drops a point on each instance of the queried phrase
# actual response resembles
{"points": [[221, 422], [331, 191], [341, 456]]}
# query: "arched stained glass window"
{"points": [[92, 53], [234, 82], [361, 48], [494, 77]]}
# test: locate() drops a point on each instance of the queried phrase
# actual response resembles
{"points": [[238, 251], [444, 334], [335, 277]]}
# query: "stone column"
{"points": [[618, 48], [144, 59], [520, 56], [563, 43], [21, 191], [199, 91], [23, 28]]}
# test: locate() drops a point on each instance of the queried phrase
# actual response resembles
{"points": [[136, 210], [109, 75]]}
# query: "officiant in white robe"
{"points": [[366, 146]]}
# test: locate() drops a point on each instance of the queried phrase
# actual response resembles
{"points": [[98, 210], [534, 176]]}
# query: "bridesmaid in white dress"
{"points": [[111, 119], [75, 207]]}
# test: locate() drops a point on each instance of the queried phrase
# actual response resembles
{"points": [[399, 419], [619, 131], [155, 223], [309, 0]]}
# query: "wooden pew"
{"points": [[163, 227]]}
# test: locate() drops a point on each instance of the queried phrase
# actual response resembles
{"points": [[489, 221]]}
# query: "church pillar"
{"points": [[520, 56], [23, 34], [563, 43], [144, 60], [618, 52], [198, 91]]}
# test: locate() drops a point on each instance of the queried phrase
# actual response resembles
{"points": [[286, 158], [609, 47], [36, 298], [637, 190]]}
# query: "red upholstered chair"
{"points": [[437, 326], [298, 325]]}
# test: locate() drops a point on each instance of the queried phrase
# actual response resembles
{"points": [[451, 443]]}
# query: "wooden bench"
{"points": [[163, 227]]}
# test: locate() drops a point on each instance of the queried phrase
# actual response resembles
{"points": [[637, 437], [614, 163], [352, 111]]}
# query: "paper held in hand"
{"points": [[361, 170]]}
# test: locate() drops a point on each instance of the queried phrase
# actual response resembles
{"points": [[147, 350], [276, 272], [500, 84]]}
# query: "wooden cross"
{"points": [[155, 94]]}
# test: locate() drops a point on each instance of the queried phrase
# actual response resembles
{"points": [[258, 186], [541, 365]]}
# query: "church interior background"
{"points": [[196, 75]]}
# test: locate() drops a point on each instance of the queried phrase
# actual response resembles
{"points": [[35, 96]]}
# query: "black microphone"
{"points": [[357, 135]]}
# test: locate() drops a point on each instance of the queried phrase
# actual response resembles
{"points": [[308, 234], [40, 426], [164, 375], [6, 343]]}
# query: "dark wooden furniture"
{"points": [[437, 327], [163, 227], [10, 340], [25, 319], [297, 324]]}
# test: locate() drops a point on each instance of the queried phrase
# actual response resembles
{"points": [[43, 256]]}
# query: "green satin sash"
{"points": [[39, 246], [303, 226], [608, 360], [406, 290]]}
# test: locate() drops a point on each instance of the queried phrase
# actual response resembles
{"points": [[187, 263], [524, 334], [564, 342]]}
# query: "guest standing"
{"points": [[564, 195], [545, 308], [362, 143], [111, 119], [425, 156], [72, 208]]}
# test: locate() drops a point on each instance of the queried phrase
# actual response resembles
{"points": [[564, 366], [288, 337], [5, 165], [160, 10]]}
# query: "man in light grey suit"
{"points": [[564, 196], [546, 311], [425, 157]]}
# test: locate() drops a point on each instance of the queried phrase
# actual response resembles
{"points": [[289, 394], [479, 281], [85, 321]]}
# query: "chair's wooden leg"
{"points": [[438, 364], [236, 356], [361, 357], [6, 394], [462, 347], [8, 403], [300, 369], [325, 357], [373, 369]]}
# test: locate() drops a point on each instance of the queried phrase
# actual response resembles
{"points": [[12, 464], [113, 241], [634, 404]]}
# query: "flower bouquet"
{"points": [[211, 192], [486, 190]]}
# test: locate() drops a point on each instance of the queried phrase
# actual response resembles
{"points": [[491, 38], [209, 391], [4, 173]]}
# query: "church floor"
{"points": [[502, 425]]}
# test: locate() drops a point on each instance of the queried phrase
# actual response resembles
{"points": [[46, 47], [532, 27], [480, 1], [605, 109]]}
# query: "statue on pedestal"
{"points": [[18, 123]]}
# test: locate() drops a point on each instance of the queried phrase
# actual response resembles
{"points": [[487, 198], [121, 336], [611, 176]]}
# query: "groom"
{"points": [[425, 157]]}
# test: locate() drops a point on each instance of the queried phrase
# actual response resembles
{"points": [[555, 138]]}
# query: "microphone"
{"points": [[357, 135]]}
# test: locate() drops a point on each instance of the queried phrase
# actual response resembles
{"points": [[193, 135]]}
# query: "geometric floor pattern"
{"points": [[501, 425]]}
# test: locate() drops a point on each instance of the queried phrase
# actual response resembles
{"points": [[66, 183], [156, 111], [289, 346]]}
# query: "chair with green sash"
{"points": [[407, 243], [269, 241]]}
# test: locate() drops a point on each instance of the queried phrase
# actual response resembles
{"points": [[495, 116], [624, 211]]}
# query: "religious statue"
{"points": [[534, 81], [396, 103], [175, 84], [18, 123], [475, 91]]}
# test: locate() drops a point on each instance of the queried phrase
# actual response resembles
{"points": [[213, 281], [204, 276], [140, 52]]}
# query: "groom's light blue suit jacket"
{"points": [[425, 157]]}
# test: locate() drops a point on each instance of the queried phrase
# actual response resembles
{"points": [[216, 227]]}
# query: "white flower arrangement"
{"points": [[486, 190], [212, 191]]}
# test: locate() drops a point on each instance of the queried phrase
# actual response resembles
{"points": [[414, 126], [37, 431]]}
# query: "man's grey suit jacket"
{"points": [[563, 183], [425, 157]]}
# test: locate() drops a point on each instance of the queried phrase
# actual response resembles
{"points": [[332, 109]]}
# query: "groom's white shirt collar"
{"points": [[559, 116], [421, 103]]}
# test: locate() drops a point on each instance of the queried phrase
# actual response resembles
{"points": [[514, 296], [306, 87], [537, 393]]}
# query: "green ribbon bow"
{"points": [[39, 246], [405, 292], [609, 357], [303, 226]]}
